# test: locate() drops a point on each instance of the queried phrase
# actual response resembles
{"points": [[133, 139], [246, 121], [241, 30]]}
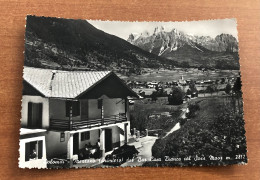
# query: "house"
{"points": [[152, 84], [72, 109], [182, 82]]}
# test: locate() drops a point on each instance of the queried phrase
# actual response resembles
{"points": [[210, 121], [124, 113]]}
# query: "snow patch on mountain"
{"points": [[174, 39]]}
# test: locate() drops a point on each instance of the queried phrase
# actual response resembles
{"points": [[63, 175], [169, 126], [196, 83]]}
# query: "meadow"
{"points": [[165, 75], [216, 130]]}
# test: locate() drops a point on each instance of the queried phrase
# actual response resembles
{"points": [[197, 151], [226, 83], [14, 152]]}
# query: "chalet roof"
{"points": [[63, 84]]}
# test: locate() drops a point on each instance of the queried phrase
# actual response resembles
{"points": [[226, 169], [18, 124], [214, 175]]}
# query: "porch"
{"points": [[86, 145]]}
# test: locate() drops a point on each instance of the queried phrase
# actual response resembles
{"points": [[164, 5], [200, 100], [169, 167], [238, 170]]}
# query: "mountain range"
{"points": [[220, 52], [76, 44]]}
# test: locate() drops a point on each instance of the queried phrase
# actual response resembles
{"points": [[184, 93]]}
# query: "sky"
{"points": [[210, 28]]}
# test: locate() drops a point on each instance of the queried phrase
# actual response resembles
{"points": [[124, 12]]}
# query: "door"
{"points": [[34, 115], [108, 140], [75, 143], [84, 109]]}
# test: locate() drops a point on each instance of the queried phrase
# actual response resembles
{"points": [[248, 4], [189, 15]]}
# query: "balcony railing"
{"points": [[68, 125]]}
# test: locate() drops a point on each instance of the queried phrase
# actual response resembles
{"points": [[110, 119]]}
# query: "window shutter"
{"points": [[87, 135], [68, 104], [27, 151], [75, 108], [29, 119], [82, 136], [39, 122], [40, 149]]}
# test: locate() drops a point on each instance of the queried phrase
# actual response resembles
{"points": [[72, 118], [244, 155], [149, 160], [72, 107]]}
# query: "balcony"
{"points": [[68, 125]]}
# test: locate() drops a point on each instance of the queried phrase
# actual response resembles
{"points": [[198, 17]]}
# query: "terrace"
{"points": [[70, 124]]}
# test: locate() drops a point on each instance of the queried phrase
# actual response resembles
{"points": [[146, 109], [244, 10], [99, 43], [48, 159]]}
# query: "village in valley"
{"points": [[109, 103]]}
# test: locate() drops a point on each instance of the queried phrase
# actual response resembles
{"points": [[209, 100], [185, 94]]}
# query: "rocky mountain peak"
{"points": [[175, 39], [158, 30], [145, 34]]}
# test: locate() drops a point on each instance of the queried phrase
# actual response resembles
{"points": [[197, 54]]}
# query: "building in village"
{"points": [[182, 82], [64, 111]]}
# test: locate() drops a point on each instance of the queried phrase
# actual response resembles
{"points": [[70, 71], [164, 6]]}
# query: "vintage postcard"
{"points": [[113, 93]]}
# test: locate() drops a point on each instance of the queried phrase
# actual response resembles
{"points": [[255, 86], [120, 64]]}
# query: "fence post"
{"points": [[70, 119], [138, 134], [146, 132]]}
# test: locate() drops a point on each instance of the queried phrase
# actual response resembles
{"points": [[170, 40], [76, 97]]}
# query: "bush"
{"points": [[193, 108], [154, 96], [228, 88], [158, 148], [139, 120], [182, 121], [219, 133]]}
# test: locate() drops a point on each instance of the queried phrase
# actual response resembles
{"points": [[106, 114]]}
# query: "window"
{"points": [[85, 136], [62, 137], [75, 108], [33, 150]]}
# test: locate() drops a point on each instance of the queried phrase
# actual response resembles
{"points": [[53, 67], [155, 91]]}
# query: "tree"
{"points": [[154, 96], [193, 89], [228, 88], [237, 90], [237, 86], [185, 64], [211, 89], [193, 108], [188, 92], [176, 96], [160, 91]]}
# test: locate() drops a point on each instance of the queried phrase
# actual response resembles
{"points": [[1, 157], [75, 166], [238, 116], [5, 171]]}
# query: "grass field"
{"points": [[174, 75], [142, 109], [161, 105]]}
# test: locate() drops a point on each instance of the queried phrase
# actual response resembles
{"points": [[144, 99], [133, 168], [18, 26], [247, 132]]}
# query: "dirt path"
{"points": [[175, 128], [177, 125]]}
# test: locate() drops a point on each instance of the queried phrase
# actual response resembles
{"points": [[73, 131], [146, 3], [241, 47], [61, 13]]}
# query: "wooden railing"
{"points": [[68, 125]]}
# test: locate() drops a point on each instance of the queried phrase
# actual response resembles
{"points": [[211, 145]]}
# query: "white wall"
{"points": [[35, 99], [53, 144], [37, 163], [113, 106], [94, 112], [121, 137], [115, 134]]}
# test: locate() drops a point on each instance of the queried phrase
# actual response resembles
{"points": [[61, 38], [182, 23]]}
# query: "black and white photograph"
{"points": [[118, 94]]}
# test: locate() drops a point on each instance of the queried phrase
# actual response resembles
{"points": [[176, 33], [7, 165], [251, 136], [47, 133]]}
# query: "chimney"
{"points": [[53, 75]]}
